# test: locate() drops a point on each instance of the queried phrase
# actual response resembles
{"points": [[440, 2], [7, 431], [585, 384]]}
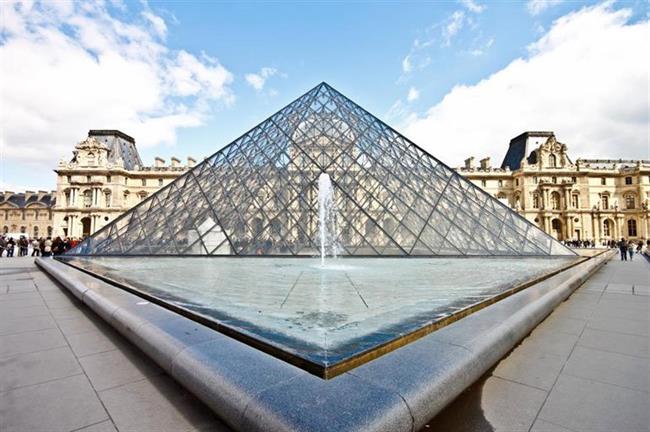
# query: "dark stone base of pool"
{"points": [[254, 391]]}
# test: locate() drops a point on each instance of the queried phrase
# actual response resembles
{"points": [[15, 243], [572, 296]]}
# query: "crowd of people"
{"points": [[629, 248], [43, 246], [580, 243]]}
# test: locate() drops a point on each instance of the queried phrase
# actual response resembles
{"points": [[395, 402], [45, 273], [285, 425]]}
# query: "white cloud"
{"points": [[406, 64], [156, 22], [453, 26], [535, 7], [481, 50], [413, 94], [472, 6], [584, 79], [257, 80], [72, 66]]}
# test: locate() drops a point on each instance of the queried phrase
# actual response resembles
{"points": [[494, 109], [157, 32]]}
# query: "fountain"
{"points": [[326, 218]]}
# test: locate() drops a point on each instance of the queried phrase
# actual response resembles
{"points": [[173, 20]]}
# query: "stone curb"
{"points": [[253, 391]]}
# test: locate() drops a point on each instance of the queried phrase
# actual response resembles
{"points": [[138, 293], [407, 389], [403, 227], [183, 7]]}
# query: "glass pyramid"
{"points": [[259, 196]]}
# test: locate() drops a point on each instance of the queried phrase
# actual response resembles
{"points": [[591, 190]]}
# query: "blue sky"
{"points": [[450, 75]]}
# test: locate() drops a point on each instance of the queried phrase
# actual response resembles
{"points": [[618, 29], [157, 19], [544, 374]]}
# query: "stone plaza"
{"points": [[585, 368]]}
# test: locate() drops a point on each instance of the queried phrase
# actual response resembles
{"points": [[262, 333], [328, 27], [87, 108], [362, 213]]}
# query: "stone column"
{"points": [[547, 225], [622, 227], [547, 203], [70, 225]]}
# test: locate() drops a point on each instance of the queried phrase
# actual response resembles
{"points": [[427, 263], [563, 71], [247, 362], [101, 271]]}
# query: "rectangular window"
{"points": [[628, 180], [575, 201], [603, 181], [500, 183], [574, 179], [160, 182], [69, 179], [89, 179], [144, 182], [108, 179], [535, 179], [483, 183]]}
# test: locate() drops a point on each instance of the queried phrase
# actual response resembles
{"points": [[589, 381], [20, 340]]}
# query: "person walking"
{"points": [[47, 247], [3, 245], [11, 244], [622, 247], [36, 248], [630, 249]]}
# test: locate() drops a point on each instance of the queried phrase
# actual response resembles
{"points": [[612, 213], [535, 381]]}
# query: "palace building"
{"points": [[104, 178], [589, 199], [26, 213]]}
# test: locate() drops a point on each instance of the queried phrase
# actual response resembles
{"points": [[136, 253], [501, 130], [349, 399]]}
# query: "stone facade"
{"points": [[105, 178], [28, 213], [589, 199]]}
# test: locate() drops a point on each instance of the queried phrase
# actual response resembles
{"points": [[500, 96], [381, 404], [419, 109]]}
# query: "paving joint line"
{"points": [[99, 399], [562, 369], [606, 383], [41, 382]]}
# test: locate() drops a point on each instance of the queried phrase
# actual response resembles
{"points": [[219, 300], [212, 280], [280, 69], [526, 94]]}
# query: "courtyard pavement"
{"points": [[585, 368]]}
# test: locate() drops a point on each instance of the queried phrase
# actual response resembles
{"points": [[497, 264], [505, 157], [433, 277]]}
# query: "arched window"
{"points": [[555, 201], [631, 228], [630, 201], [5, 229], [607, 228], [552, 161], [23, 229], [535, 201], [107, 198], [605, 202], [35, 231], [49, 231]]}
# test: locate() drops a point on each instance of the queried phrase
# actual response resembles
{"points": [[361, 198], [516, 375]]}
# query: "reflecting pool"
{"points": [[322, 314]]}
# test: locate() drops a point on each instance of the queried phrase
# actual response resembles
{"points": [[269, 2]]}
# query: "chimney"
{"points": [[191, 161], [176, 162], [469, 163], [159, 162], [485, 163]]}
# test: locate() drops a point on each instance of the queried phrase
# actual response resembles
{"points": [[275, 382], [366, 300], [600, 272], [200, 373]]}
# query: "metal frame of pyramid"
{"points": [[258, 196]]}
